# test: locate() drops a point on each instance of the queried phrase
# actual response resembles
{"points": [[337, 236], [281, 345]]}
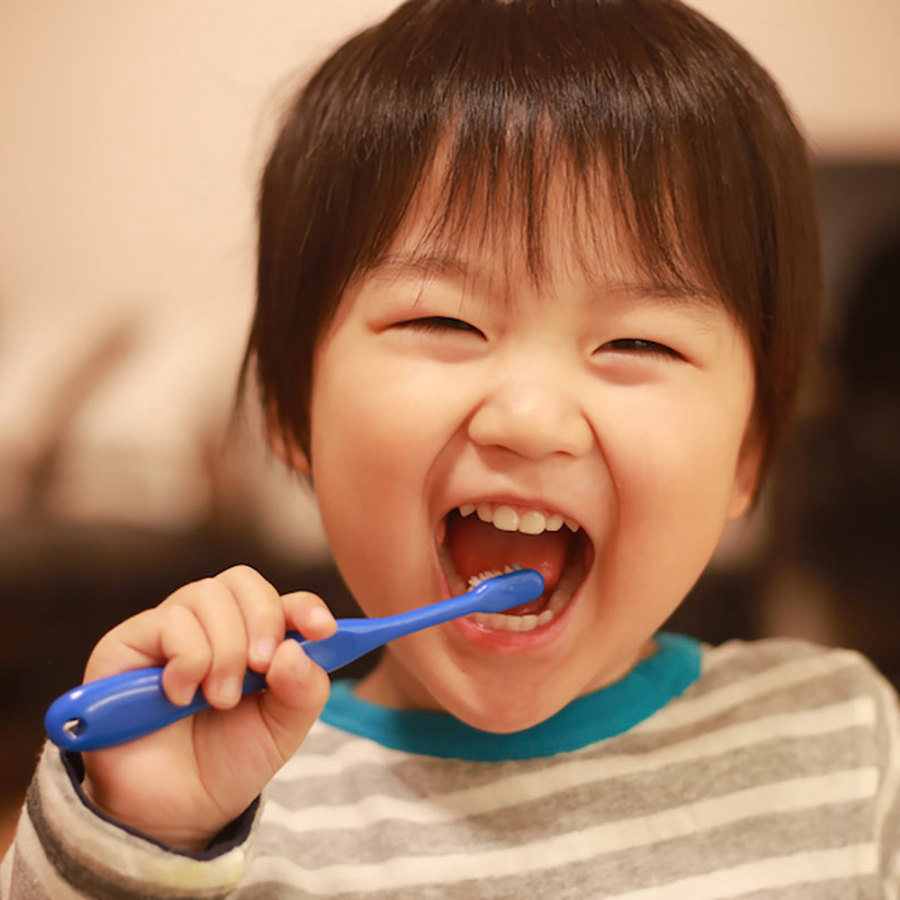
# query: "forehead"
{"points": [[569, 229]]}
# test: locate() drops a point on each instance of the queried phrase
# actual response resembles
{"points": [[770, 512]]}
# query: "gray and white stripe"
{"points": [[776, 775], [765, 777]]}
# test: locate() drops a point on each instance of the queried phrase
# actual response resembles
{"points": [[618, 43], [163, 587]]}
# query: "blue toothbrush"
{"points": [[132, 704]]}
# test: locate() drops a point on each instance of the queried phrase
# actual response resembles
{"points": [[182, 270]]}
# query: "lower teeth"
{"points": [[501, 622]]}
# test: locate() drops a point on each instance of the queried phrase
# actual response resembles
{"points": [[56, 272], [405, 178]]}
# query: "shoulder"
{"points": [[803, 689], [812, 673], [783, 690]]}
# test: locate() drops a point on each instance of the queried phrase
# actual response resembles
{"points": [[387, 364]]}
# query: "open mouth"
{"points": [[485, 539]]}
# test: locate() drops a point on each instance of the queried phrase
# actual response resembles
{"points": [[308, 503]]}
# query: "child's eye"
{"points": [[641, 346], [436, 324]]}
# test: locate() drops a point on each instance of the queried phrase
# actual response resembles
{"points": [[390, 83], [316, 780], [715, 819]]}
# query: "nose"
{"points": [[533, 413]]}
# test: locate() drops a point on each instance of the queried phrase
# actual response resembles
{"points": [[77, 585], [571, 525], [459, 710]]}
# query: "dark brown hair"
{"points": [[643, 100]]}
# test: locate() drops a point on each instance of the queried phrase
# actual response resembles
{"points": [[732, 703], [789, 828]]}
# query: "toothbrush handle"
{"points": [[130, 705], [121, 708]]}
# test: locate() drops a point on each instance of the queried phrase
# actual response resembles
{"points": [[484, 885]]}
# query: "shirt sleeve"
{"points": [[887, 809], [65, 848]]}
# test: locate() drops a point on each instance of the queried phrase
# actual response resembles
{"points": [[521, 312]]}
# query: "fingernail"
{"points": [[318, 616], [265, 649], [184, 696]]}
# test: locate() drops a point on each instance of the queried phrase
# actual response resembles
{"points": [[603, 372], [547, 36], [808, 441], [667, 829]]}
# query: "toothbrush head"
{"points": [[503, 592]]}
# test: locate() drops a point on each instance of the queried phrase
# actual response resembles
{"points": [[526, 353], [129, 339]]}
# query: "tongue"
{"points": [[477, 547]]}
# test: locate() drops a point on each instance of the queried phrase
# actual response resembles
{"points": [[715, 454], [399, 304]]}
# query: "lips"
{"points": [[486, 538]]}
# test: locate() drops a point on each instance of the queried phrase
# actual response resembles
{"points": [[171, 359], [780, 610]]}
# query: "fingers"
{"points": [[206, 634], [262, 612], [215, 655], [297, 687], [297, 691], [184, 644], [150, 638], [308, 614]]}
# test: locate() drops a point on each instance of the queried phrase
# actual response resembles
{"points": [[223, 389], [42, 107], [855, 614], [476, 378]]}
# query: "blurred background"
{"points": [[131, 136]]}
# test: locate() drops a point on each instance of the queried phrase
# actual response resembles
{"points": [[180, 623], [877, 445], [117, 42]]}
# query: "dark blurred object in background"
{"points": [[838, 493]]}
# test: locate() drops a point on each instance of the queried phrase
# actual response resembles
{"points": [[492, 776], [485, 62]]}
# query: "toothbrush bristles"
{"points": [[475, 580]]}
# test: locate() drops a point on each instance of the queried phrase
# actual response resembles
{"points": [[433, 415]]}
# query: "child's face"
{"points": [[451, 379]]}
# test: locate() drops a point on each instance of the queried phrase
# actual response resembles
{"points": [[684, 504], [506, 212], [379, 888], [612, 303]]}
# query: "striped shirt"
{"points": [[764, 770]]}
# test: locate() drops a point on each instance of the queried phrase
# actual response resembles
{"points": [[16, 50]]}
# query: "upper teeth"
{"points": [[527, 521]]}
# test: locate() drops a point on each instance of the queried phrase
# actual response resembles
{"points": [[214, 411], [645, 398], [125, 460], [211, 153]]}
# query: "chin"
{"points": [[499, 710], [506, 722]]}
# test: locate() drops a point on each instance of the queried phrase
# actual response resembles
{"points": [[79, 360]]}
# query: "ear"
{"points": [[746, 474], [287, 451]]}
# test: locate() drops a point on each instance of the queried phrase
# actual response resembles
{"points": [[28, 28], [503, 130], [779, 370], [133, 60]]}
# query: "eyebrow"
{"points": [[677, 294], [669, 293], [429, 264]]}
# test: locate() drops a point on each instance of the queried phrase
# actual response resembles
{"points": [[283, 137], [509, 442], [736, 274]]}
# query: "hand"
{"points": [[183, 784]]}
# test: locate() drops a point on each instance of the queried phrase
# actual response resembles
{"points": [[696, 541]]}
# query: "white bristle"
{"points": [[475, 580]]}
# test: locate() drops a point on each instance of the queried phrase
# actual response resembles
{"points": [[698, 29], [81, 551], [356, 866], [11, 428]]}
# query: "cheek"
{"points": [[397, 411], [359, 454], [358, 409], [671, 498], [673, 457], [377, 426]]}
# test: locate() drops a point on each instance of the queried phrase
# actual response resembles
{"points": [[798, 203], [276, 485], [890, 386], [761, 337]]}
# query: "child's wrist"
{"points": [[181, 840]]}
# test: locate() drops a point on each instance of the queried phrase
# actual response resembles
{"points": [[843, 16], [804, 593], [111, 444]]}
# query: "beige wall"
{"points": [[837, 61], [132, 129], [131, 135]]}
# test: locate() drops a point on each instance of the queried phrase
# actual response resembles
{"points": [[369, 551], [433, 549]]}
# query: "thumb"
{"points": [[297, 691]]}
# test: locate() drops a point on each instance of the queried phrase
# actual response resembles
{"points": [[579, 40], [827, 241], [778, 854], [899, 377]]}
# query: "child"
{"points": [[536, 282]]}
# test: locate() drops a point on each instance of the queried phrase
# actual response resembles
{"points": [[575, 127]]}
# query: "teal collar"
{"points": [[613, 710]]}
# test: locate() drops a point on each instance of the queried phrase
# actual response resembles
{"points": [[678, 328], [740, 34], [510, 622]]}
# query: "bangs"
{"points": [[500, 102], [532, 191]]}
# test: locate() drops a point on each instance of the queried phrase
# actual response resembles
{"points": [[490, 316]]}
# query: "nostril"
{"points": [[533, 431]]}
